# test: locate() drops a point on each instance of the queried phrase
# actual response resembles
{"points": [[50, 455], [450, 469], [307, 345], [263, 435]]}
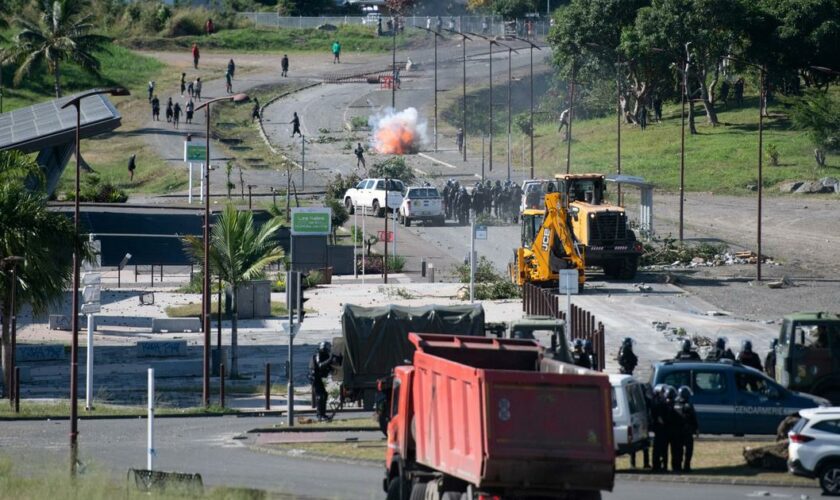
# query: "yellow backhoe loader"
{"points": [[548, 245]]}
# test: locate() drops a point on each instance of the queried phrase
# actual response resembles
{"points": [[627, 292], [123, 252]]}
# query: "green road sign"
{"points": [[195, 152], [311, 221]]}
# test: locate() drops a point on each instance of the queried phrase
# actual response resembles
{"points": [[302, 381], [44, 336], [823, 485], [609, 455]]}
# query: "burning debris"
{"points": [[397, 133]]}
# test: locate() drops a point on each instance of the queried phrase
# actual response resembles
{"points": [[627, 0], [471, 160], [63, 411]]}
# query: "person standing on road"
{"points": [[151, 89], [720, 351], [231, 68], [190, 107], [657, 425], [197, 89], [319, 369], [295, 125], [360, 156], [770, 360], [169, 110], [336, 50], [627, 359], [190, 89], [459, 139], [132, 165], [673, 430], [228, 82], [183, 83], [255, 113], [686, 353], [176, 115], [155, 108], [284, 66], [196, 55], [688, 429], [647, 392], [748, 358]]}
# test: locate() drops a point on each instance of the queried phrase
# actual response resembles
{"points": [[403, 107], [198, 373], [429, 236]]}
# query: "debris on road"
{"points": [[785, 282]]}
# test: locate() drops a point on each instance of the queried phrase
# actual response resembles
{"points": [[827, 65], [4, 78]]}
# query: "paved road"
{"points": [[207, 446]]}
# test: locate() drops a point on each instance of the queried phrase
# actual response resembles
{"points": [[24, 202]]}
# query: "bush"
{"points": [[338, 185], [669, 250], [497, 290], [489, 285], [185, 24], [396, 263], [394, 168], [373, 264], [94, 190], [484, 272], [359, 123]]}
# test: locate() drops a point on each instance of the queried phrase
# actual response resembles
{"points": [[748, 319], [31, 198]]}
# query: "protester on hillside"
{"points": [[132, 165], [190, 110], [196, 55], [183, 83], [231, 68], [151, 89], [336, 50], [284, 66], [255, 113], [209, 27]]}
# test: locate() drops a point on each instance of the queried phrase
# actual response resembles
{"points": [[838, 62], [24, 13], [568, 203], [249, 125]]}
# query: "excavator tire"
{"points": [[612, 269], [628, 268]]}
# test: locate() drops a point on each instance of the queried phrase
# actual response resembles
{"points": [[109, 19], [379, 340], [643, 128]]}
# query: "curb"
{"points": [[280, 430], [314, 456], [732, 481], [272, 101]]}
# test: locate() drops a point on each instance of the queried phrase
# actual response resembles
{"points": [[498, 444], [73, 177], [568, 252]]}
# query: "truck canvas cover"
{"points": [[376, 338]]}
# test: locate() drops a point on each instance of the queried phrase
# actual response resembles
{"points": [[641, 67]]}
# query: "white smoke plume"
{"points": [[398, 133]]}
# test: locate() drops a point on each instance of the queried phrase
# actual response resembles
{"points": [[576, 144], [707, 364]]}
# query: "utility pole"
{"points": [[571, 115], [464, 39], [531, 121], [394, 64], [385, 243]]}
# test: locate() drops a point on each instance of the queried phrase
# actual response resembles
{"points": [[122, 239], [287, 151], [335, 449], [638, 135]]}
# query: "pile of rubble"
{"points": [[678, 334], [723, 259], [824, 185]]}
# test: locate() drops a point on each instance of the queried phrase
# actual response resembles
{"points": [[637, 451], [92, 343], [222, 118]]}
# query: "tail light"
{"points": [[482, 496], [800, 438], [629, 434], [638, 246], [379, 385]]}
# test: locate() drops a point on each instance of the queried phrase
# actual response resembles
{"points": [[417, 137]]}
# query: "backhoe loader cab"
{"points": [[600, 227]]}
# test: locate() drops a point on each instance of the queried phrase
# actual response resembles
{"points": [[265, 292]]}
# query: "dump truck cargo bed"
{"points": [[495, 414]]}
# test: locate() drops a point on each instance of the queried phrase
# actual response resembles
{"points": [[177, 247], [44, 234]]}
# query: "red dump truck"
{"points": [[483, 418]]}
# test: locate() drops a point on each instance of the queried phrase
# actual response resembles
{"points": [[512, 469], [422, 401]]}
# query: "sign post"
{"points": [[293, 304], [195, 153], [472, 256], [91, 304], [568, 283], [309, 221]]}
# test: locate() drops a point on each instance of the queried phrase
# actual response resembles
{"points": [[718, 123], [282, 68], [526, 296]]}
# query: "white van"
{"points": [[630, 415]]}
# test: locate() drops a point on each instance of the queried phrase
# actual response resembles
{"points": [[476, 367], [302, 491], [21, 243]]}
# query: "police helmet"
{"points": [[659, 389], [578, 343], [684, 393], [720, 343], [587, 345], [774, 343], [686, 345], [670, 392], [627, 342], [324, 347], [746, 346]]}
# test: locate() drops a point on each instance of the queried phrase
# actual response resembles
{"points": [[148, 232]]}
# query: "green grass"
{"points": [[365, 450], [721, 460], [720, 159], [352, 38], [62, 409], [278, 309]]}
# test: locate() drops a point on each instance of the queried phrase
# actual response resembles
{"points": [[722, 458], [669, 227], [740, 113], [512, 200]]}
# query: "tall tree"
{"points": [[62, 32], [239, 252], [43, 238]]}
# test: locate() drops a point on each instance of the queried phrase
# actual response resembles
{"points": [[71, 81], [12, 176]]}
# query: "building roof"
{"points": [[45, 124]]}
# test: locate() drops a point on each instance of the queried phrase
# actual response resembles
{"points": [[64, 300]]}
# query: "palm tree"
{"points": [[62, 33], [239, 252], [44, 239], [18, 167]]}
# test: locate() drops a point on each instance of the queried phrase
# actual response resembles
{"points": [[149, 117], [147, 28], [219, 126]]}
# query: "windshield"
{"points": [[587, 190], [816, 334], [423, 193], [531, 224]]}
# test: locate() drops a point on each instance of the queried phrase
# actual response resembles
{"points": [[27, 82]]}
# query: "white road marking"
{"points": [[424, 155]]}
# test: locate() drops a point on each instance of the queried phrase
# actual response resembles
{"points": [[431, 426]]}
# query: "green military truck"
{"points": [[808, 354]]}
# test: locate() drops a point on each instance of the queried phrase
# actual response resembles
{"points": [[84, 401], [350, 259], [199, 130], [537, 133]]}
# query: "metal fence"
{"points": [[582, 324], [495, 25]]}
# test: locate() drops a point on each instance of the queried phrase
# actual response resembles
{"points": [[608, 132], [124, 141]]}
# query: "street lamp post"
{"points": [[394, 64], [571, 114], [531, 122], [490, 78], [464, 39], [205, 295], [435, 36], [74, 316]]}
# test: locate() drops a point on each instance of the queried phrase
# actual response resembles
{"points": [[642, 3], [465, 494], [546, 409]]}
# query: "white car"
{"points": [[630, 415], [423, 204], [370, 193], [814, 449], [533, 194]]}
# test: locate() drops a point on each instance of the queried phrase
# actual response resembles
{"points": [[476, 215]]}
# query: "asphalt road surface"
{"points": [[206, 445]]}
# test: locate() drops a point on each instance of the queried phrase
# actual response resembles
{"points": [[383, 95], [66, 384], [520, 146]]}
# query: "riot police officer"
{"points": [[581, 358], [462, 206], [319, 368], [496, 194], [659, 410], [447, 189], [627, 359], [770, 360], [590, 354], [682, 448], [747, 357], [687, 353], [720, 351]]}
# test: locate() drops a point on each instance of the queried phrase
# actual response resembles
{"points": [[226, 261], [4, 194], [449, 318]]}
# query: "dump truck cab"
{"points": [[548, 331], [599, 226], [808, 354]]}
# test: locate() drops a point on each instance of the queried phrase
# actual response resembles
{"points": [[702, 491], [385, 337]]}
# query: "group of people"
{"points": [[583, 354], [746, 356], [673, 422], [189, 91], [501, 200]]}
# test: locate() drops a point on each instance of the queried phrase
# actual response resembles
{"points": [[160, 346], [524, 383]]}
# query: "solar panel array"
{"points": [[31, 123]]}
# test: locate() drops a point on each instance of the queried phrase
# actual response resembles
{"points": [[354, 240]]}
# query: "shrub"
{"points": [[396, 263], [773, 154], [94, 190], [338, 185], [497, 290], [359, 123], [484, 272], [185, 23], [394, 168]]}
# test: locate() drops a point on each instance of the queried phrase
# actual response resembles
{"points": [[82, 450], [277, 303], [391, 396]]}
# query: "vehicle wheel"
{"points": [[418, 491], [628, 268], [611, 269], [348, 204], [407, 221], [376, 210], [394, 489], [830, 478], [440, 221]]}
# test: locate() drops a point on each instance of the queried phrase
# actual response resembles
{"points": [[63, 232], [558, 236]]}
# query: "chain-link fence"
{"points": [[486, 25]]}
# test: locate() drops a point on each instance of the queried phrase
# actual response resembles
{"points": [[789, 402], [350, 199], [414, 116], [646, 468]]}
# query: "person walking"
{"points": [[319, 369], [151, 89], [196, 55], [564, 123], [336, 50], [255, 112], [739, 92], [459, 139], [176, 115], [360, 156], [627, 359], [284, 66], [231, 68], [295, 125], [132, 165], [197, 89], [183, 83], [190, 89], [228, 82], [155, 108], [169, 110], [643, 118], [190, 107]]}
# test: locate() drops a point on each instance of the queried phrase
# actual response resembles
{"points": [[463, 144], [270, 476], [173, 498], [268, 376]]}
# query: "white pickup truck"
{"points": [[371, 193], [422, 204]]}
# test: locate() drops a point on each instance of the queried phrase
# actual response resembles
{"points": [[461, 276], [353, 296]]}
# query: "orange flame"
{"points": [[398, 133]]}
